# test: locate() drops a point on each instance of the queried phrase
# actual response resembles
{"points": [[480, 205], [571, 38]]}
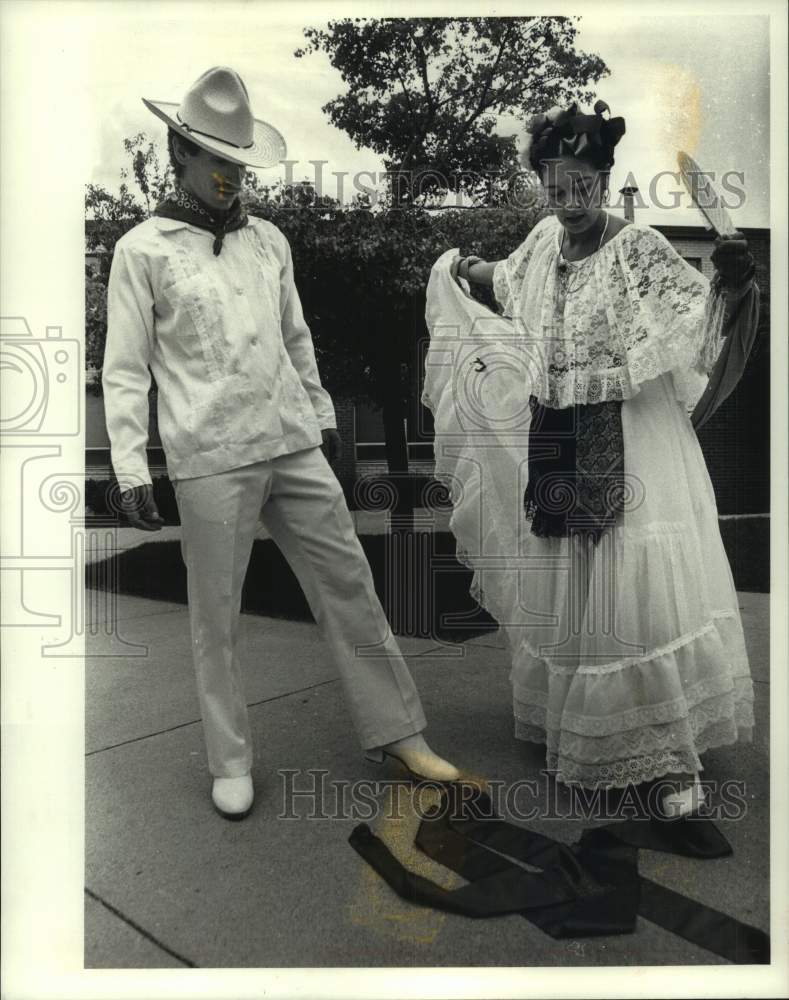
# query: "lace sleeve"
{"points": [[509, 273], [674, 302]]}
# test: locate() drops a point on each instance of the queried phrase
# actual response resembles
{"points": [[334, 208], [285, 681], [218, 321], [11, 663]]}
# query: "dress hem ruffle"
{"points": [[631, 771]]}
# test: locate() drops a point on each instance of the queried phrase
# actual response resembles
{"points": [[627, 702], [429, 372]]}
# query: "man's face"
{"points": [[214, 180]]}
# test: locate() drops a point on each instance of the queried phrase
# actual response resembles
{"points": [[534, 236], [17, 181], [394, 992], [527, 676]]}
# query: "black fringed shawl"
{"points": [[576, 469]]}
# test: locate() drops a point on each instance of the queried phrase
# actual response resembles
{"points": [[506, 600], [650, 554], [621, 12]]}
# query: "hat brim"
{"points": [[268, 147]]}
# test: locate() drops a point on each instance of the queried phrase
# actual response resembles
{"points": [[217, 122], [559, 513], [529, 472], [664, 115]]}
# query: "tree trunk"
{"points": [[397, 461], [402, 571], [395, 435]]}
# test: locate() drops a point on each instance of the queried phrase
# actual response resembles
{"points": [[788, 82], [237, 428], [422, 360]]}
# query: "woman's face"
{"points": [[575, 191]]}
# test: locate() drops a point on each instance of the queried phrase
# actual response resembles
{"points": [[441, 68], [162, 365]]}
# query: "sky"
{"points": [[671, 78]]}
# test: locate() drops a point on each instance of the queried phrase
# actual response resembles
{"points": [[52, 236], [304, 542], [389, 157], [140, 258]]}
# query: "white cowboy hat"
{"points": [[216, 115]]}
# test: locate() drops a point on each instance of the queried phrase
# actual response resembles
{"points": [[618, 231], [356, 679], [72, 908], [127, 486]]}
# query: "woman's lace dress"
{"points": [[628, 656]]}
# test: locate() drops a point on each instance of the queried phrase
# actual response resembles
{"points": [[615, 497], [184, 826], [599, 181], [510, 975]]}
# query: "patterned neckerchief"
{"points": [[185, 207]]}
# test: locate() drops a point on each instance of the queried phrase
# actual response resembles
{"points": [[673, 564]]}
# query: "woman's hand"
{"points": [[473, 269], [459, 268], [733, 261], [332, 445]]}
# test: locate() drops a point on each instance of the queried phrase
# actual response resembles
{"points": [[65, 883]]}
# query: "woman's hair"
{"points": [[567, 132], [191, 148]]}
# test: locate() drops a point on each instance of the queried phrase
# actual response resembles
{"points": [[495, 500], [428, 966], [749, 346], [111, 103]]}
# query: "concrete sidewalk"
{"points": [[171, 884]]}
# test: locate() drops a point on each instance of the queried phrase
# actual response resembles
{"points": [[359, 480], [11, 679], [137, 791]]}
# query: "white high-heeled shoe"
{"points": [[233, 797], [377, 755]]}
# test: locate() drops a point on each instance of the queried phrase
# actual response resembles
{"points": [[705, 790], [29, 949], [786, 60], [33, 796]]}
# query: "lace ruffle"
{"points": [[642, 758], [644, 741], [720, 692], [648, 767], [630, 661], [735, 706], [641, 311]]}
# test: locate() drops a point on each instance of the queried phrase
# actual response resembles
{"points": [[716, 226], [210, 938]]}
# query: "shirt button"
{"points": [[239, 291], [253, 340]]}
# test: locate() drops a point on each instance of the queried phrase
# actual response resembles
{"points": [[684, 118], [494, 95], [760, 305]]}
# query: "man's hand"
{"points": [[332, 445], [140, 510]]}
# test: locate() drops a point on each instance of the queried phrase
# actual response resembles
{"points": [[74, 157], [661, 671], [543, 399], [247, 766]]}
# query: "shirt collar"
{"points": [[169, 225]]}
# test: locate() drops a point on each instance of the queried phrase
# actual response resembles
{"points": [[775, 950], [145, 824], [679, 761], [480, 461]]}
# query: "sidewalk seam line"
{"points": [[146, 614], [287, 694], [193, 722], [140, 930]]}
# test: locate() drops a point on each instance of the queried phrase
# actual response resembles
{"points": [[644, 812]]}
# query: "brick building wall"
{"points": [[346, 426]]}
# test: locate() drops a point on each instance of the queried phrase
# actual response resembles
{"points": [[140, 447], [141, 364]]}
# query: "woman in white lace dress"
{"points": [[588, 514]]}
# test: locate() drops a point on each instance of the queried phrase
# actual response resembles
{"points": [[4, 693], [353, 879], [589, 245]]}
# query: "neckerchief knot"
{"points": [[179, 204]]}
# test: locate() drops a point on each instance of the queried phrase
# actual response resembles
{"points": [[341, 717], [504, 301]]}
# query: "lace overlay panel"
{"points": [[633, 311]]}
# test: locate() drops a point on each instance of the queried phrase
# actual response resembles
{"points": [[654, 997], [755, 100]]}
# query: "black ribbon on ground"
{"points": [[586, 889]]}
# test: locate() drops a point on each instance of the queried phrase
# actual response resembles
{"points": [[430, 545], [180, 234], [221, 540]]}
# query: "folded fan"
{"points": [[704, 196]]}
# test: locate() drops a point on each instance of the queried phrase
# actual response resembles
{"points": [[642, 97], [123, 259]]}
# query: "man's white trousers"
{"points": [[300, 502]]}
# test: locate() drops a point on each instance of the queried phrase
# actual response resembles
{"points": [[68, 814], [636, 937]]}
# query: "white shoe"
{"points": [[233, 797], [683, 803], [418, 759]]}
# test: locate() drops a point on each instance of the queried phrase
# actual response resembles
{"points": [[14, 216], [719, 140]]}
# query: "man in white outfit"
{"points": [[203, 296]]}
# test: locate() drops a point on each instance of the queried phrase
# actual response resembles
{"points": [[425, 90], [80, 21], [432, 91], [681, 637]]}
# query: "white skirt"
{"points": [[628, 656], [636, 677]]}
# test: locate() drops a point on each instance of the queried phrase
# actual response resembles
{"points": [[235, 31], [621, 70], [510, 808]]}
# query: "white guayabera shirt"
{"points": [[226, 340]]}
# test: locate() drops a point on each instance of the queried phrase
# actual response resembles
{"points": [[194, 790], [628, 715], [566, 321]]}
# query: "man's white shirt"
{"points": [[227, 343]]}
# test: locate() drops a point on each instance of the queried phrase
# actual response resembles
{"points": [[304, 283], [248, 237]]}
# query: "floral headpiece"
{"points": [[577, 134]]}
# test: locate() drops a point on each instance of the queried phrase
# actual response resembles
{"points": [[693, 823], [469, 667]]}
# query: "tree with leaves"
{"points": [[152, 180], [425, 93], [107, 217]]}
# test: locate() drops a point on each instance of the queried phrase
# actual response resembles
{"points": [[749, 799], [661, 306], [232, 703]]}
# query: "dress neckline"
{"points": [[589, 256]]}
